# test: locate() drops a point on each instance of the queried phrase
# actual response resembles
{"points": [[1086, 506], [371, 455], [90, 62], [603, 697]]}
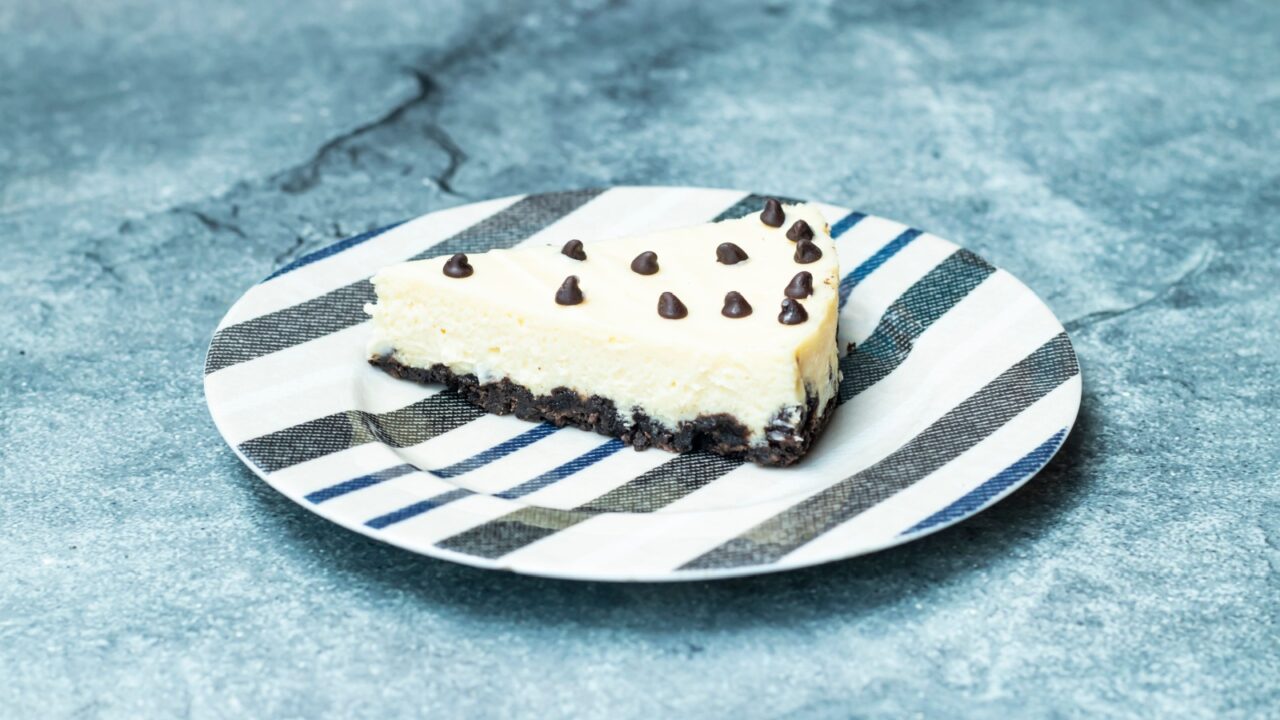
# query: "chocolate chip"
{"points": [[569, 292], [772, 215], [458, 267], [807, 252], [793, 313], [573, 249], [735, 306], [670, 307], [800, 231], [646, 263], [801, 286], [730, 254]]}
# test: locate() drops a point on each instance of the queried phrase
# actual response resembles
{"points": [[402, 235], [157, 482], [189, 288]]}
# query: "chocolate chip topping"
{"points": [[458, 267], [800, 231], [646, 263], [801, 286], [807, 252], [772, 215], [569, 292], [670, 307], [730, 254], [735, 306], [793, 313], [573, 249]]}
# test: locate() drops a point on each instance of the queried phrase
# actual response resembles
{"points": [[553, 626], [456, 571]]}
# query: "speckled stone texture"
{"points": [[156, 158]]}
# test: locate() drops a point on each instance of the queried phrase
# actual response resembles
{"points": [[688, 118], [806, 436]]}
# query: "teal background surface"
{"points": [[156, 159]]}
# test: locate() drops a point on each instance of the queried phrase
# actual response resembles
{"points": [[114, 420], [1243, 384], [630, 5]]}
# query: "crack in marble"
{"points": [[307, 175], [303, 177], [300, 178], [290, 252], [213, 223], [1160, 296], [105, 267], [436, 133]]}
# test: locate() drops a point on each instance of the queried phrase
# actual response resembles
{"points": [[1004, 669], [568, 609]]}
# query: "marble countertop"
{"points": [[158, 158]]}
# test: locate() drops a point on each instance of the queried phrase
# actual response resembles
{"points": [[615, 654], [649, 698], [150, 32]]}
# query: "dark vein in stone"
{"points": [[299, 178], [107, 268], [289, 252], [1100, 316], [302, 178], [436, 133], [211, 222]]}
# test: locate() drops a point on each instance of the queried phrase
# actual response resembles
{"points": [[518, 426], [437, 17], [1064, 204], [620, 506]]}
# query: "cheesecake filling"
{"points": [[697, 330]]}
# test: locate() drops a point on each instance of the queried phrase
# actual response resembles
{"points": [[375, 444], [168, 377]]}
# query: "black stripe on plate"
{"points": [[664, 484], [399, 428], [647, 492], [513, 531], [961, 428], [344, 307], [752, 203], [931, 297]]}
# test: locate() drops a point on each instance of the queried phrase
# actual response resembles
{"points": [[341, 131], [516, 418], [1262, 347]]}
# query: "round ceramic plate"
{"points": [[961, 385]]}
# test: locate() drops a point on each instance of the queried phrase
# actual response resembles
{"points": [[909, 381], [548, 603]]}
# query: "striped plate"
{"points": [[962, 386]]}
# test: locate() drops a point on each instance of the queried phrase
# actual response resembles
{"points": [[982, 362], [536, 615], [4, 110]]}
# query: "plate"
{"points": [[960, 385]]}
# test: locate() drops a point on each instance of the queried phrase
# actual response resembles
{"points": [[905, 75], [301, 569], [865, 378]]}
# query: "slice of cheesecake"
{"points": [[719, 337]]}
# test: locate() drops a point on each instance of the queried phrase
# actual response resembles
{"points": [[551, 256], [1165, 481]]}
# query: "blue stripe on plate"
{"points": [[418, 508], [981, 495], [496, 452], [543, 480], [555, 475], [331, 250], [843, 224], [359, 483], [870, 265]]}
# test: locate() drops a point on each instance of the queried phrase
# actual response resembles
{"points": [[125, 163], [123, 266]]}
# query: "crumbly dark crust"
{"points": [[721, 434]]}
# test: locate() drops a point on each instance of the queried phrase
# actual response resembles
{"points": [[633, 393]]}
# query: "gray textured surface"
{"points": [[157, 158]]}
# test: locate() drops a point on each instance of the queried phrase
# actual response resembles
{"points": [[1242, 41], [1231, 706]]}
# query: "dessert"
{"points": [[719, 337]]}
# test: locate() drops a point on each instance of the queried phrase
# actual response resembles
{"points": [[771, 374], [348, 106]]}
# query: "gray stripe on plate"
{"points": [[647, 492], [931, 297], [752, 203], [399, 428], [961, 428]]}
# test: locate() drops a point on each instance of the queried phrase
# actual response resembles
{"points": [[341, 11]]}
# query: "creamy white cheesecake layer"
{"points": [[503, 322]]}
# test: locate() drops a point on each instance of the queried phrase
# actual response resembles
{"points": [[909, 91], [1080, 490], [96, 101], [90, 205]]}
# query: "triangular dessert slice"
{"points": [[719, 337]]}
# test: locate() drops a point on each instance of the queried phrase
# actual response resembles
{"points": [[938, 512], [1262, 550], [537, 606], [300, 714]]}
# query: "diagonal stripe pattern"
{"points": [[400, 428], [359, 483], [561, 472], [878, 356], [331, 250], [907, 319], [871, 264], [751, 203], [656, 488], [341, 308], [418, 508], [960, 429], [981, 495], [496, 452]]}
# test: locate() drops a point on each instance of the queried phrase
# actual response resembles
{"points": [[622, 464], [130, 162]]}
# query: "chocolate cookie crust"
{"points": [[720, 433]]}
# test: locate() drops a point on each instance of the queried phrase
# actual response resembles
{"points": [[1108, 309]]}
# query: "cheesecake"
{"points": [[718, 337]]}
